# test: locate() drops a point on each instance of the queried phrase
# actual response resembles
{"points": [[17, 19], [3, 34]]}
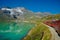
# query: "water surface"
{"points": [[14, 31]]}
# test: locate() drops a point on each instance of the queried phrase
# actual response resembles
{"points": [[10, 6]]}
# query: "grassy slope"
{"points": [[40, 30], [38, 33], [51, 17]]}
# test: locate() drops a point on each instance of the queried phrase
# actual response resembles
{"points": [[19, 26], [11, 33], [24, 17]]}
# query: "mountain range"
{"points": [[20, 13]]}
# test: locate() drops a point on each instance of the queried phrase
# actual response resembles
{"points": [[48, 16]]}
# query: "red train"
{"points": [[55, 24]]}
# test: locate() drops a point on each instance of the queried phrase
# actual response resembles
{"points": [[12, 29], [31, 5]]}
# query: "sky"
{"points": [[52, 6]]}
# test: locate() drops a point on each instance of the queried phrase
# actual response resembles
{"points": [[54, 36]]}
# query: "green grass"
{"points": [[38, 33]]}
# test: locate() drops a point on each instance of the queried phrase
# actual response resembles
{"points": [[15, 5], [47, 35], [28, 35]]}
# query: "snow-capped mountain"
{"points": [[20, 13], [13, 11]]}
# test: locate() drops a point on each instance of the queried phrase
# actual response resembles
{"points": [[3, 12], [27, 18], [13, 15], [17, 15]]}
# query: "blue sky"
{"points": [[52, 6]]}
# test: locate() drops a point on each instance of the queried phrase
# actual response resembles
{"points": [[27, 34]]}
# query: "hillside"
{"points": [[51, 17]]}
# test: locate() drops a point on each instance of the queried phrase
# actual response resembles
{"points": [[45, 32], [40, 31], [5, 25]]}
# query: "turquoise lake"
{"points": [[14, 31]]}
